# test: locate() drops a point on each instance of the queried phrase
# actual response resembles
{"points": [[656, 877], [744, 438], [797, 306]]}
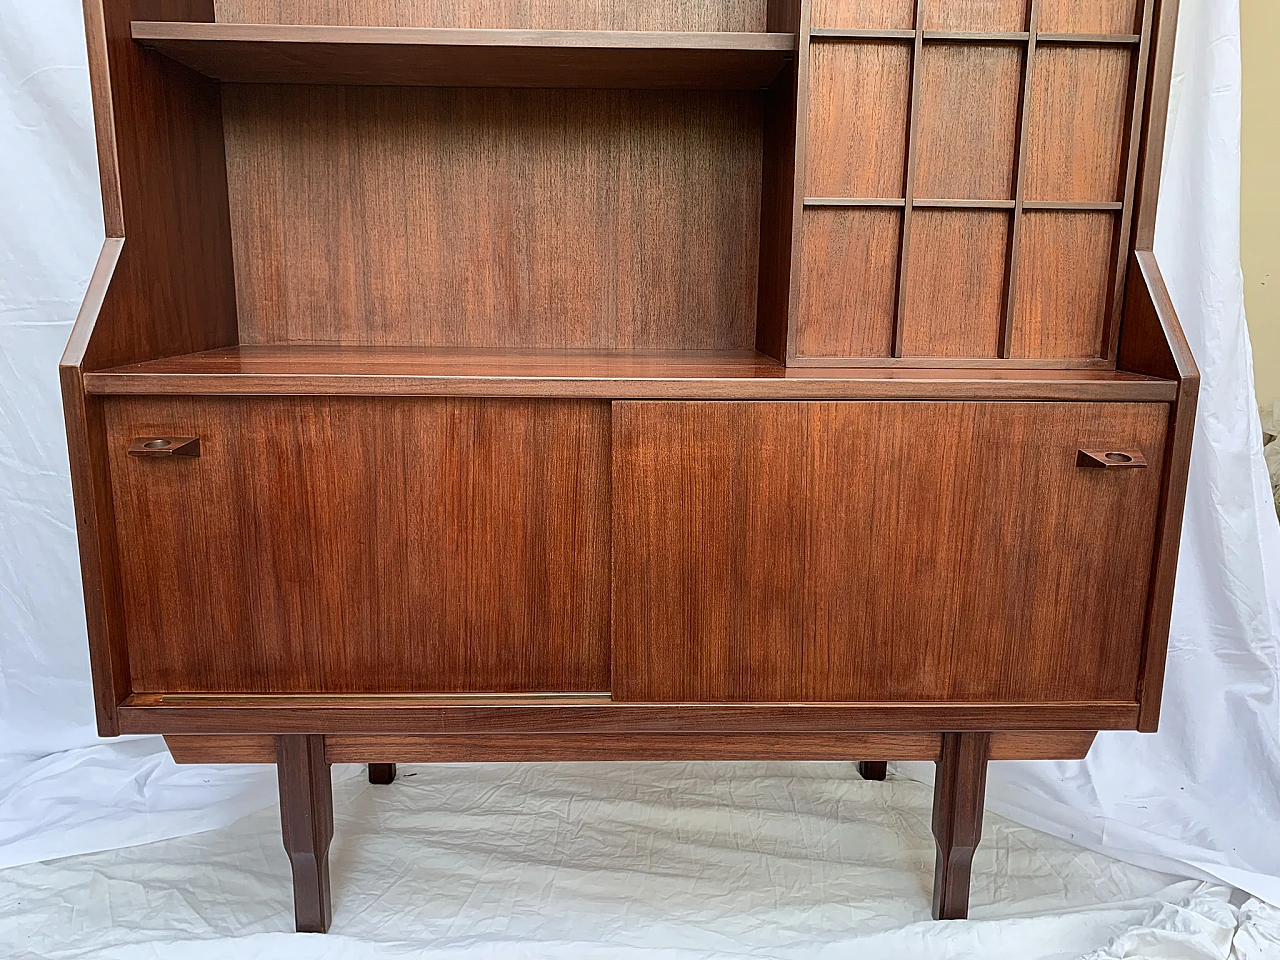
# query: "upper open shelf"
{"points": [[411, 56]]}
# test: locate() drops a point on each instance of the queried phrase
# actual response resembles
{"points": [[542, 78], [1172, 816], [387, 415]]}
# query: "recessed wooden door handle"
{"points": [[165, 447], [1103, 458]]}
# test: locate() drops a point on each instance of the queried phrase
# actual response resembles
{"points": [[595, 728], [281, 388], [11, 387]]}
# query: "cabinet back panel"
{"points": [[1095, 16], [696, 15], [864, 14], [955, 283], [858, 99], [848, 282], [1077, 122], [495, 218], [968, 122], [976, 15], [1065, 272], [356, 545]]}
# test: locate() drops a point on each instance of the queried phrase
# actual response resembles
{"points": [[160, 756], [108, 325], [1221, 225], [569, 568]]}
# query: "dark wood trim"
{"points": [[561, 747], [306, 818], [854, 202], [976, 36], [909, 180], [1089, 39], [804, 64], [1073, 205], [958, 794], [1014, 249], [154, 713], [376, 750], [836, 35]]}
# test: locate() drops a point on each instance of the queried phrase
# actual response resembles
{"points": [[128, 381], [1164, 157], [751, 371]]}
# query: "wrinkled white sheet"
{"points": [[1204, 793], [681, 860]]}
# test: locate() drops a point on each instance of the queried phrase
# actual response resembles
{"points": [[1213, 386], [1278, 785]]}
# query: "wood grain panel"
{"points": [[708, 15], [562, 747], [857, 119], [848, 282], [967, 142], [1077, 123], [828, 551], [864, 14], [955, 283], [495, 218], [1050, 745], [356, 545], [1096, 16], [976, 15], [1064, 284], [232, 749]]}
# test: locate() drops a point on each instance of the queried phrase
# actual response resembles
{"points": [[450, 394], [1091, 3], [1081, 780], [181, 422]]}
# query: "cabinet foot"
{"points": [[382, 773], [958, 793], [873, 769], [306, 819]]}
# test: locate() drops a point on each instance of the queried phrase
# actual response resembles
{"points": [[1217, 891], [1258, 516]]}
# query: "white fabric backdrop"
{"points": [[1204, 792]]}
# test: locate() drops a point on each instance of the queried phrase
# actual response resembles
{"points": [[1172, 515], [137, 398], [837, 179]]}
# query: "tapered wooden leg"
{"points": [[873, 769], [306, 816], [958, 792], [382, 773]]}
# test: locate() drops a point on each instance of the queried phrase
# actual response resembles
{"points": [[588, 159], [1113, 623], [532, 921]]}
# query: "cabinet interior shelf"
{"points": [[414, 56], [403, 371]]}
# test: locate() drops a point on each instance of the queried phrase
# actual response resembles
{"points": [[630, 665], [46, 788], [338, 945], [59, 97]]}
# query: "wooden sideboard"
{"points": [[724, 379]]}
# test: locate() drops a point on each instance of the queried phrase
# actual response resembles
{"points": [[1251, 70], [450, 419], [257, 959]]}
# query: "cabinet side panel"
{"points": [[496, 218], [852, 551], [161, 146], [696, 15], [365, 546]]}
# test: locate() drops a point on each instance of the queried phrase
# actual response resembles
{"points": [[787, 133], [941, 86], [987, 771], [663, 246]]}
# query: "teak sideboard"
{"points": [[580, 379]]}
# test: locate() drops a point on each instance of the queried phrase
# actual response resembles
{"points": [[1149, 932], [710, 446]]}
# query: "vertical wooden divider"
{"points": [[909, 186], [1132, 149], [794, 15], [1019, 190]]}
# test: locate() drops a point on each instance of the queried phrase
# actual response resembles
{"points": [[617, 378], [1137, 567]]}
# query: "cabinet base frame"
{"points": [[306, 791], [306, 808]]}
